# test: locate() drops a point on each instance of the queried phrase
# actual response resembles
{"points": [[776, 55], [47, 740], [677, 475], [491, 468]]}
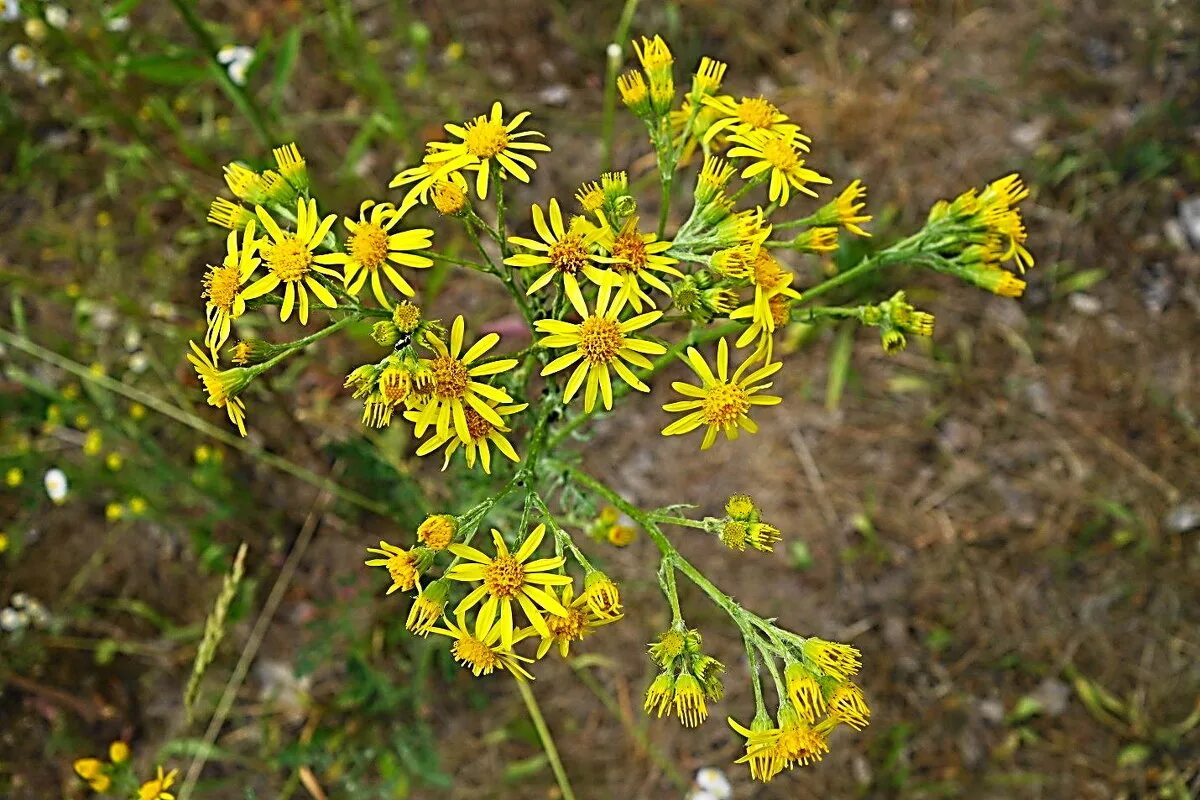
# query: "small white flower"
{"points": [[47, 76], [713, 782], [11, 619], [55, 482], [21, 57], [117, 24], [10, 11], [237, 60], [19, 600], [56, 16], [138, 363]]}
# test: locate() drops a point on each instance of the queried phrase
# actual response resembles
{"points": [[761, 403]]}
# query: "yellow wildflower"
{"points": [[506, 578], [481, 649], [233, 216], [721, 401], [482, 434], [223, 286], [371, 246], [579, 621], [601, 342], [761, 737], [437, 531], [804, 691], [847, 704], [485, 138], [635, 256], [566, 251], [402, 565], [92, 771], [748, 115], [289, 258], [602, 595], [156, 789], [222, 386], [427, 607], [835, 659], [779, 157], [689, 700], [118, 752]]}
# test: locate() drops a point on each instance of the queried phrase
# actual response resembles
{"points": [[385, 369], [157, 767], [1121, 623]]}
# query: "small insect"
{"points": [[404, 341]]}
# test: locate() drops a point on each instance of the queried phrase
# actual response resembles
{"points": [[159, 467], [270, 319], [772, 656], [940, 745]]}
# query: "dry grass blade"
{"points": [[214, 630]]}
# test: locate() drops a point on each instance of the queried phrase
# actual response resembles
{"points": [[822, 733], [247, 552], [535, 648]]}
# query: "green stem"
{"points": [[535, 714]]}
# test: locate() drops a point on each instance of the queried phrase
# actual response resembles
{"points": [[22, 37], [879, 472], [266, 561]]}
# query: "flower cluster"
{"points": [[116, 776]]}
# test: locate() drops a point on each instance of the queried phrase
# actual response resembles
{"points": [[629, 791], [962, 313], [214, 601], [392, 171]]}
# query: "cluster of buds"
{"points": [[742, 525], [688, 679], [894, 318], [116, 776], [613, 527], [401, 378]]}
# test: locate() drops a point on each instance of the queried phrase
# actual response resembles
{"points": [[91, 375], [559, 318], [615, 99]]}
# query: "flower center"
{"points": [[289, 259], [485, 138], [477, 427], [781, 155], [630, 247], [214, 387], [480, 657], [394, 385], [569, 628], [448, 198], [568, 255], [504, 577], [600, 339], [450, 377], [781, 310], [406, 316], [724, 403], [401, 568], [767, 272], [368, 245], [221, 285], [756, 112]]}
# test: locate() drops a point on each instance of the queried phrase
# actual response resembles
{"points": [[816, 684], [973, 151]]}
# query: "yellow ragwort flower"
{"points": [[779, 157], [578, 622], [721, 401], [222, 386], [689, 701], [118, 752], [233, 216], [847, 208], [290, 261], [748, 115], [453, 389], [402, 565], [637, 256], [92, 771], [223, 286], [427, 607], [507, 578], [481, 650], [372, 248], [565, 251], [804, 691], [437, 531], [835, 659], [156, 788], [482, 433], [848, 704], [761, 737], [601, 342], [769, 309], [485, 138]]}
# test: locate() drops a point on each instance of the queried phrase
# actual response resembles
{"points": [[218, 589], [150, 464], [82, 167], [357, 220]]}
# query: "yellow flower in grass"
{"points": [[779, 157], [601, 343], [568, 252], [402, 565], [156, 789], [770, 308], [372, 249], [223, 286], [760, 744], [481, 649], [485, 138], [290, 261], [483, 434], [578, 622], [721, 401], [222, 386], [118, 752], [846, 209], [233, 216], [637, 256], [748, 115], [835, 659], [804, 691], [441, 182], [848, 704], [508, 579], [453, 389], [92, 771]]}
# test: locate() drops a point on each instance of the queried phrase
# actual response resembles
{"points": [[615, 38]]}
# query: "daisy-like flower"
{"points": [[578, 622], [222, 386], [441, 182], [156, 788], [453, 391], [485, 138], [780, 157], [769, 309], [402, 565], [637, 256], [846, 210], [601, 343], [290, 261], [722, 402], [568, 252], [484, 436], [509, 578], [761, 737], [481, 649], [747, 115], [371, 246], [223, 286]]}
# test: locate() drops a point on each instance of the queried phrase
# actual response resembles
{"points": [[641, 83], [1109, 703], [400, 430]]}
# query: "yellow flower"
{"points": [[804, 691], [14, 477], [156, 789], [590, 197], [481, 650], [847, 704], [233, 216], [222, 386], [567, 251], [92, 771], [453, 390], [761, 737], [427, 607], [371, 246], [603, 596], [223, 286], [634, 92], [707, 78], [748, 115], [292, 166], [508, 577], [637, 255], [769, 309], [835, 659], [689, 700], [483, 436], [449, 194], [402, 565], [721, 401], [778, 156], [485, 138], [822, 239], [845, 209], [118, 752], [660, 694], [290, 261], [601, 342], [578, 622], [437, 531]]}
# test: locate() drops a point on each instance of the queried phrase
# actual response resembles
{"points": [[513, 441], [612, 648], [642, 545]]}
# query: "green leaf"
{"points": [[1026, 709], [285, 65], [172, 70]]}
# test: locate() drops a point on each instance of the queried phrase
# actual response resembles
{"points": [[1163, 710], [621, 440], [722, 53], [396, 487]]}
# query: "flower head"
{"points": [[848, 704], [749, 115], [804, 691], [635, 257], [222, 386], [835, 659], [483, 435], [507, 579], [485, 139], [156, 788], [93, 771], [372, 249], [437, 531], [427, 607], [600, 342], [579, 621], [601, 594], [289, 259], [404, 566], [778, 156], [761, 737], [481, 649], [223, 286], [721, 401], [566, 251], [689, 700]]}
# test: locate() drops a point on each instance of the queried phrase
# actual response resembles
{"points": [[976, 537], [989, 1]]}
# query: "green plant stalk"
{"points": [[535, 714]]}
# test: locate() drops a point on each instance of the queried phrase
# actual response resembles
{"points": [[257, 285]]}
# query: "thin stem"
{"points": [[535, 715]]}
